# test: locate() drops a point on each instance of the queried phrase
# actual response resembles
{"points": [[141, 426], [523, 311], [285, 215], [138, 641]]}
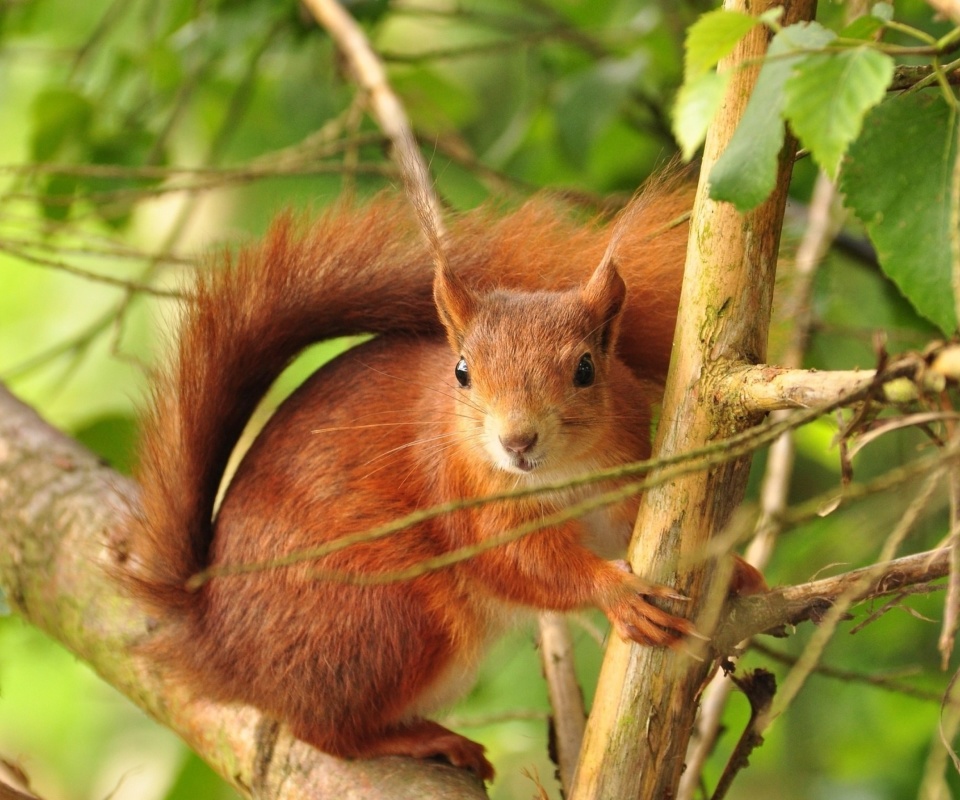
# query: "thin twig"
{"points": [[566, 696], [386, 107], [791, 605], [669, 469], [760, 688], [71, 269]]}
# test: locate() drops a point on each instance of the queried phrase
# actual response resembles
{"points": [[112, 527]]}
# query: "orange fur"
{"points": [[386, 429]]}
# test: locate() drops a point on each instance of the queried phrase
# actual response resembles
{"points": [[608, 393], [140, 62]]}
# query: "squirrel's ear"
{"points": [[603, 296], [456, 304]]}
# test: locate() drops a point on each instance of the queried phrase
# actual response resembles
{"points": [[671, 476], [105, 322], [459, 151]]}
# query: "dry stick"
{"points": [[566, 696], [949, 626], [760, 687], [933, 785], [95, 277], [791, 605], [663, 470], [824, 222], [852, 592], [386, 107]]}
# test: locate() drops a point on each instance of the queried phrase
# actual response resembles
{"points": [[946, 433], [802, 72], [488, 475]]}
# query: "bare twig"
{"points": [[387, 109], [566, 697], [791, 605], [952, 605], [759, 687], [96, 277]]}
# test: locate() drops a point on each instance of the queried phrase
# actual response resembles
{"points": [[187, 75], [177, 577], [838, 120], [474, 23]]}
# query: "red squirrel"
{"points": [[522, 364]]}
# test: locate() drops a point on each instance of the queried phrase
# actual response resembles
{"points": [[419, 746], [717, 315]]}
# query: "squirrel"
{"points": [[520, 364]]}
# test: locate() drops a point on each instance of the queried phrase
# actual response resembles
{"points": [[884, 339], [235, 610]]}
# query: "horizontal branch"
{"points": [[791, 605], [63, 516], [767, 388]]}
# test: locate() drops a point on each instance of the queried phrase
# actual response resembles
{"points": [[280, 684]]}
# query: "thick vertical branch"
{"points": [[643, 715]]}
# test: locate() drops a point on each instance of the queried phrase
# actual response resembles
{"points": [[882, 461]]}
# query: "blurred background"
{"points": [[138, 135]]}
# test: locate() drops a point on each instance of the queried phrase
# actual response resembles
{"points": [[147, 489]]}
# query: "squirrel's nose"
{"points": [[519, 443]]}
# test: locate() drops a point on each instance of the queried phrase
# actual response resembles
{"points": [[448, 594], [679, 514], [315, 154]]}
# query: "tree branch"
{"points": [[643, 712], [63, 519], [766, 388], [791, 605]]}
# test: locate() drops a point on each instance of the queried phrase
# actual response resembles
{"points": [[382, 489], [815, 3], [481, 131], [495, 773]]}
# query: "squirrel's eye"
{"points": [[462, 373], [585, 371]]}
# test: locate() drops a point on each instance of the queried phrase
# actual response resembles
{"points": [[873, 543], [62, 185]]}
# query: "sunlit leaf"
{"points": [[696, 105], [712, 37], [746, 172], [828, 95]]}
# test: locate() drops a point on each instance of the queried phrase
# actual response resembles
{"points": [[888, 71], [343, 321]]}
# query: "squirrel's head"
{"points": [[532, 369]]}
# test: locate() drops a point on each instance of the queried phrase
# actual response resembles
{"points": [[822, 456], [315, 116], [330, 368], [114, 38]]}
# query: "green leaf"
{"points": [[712, 37], [696, 105], [746, 172], [897, 181], [828, 96]]}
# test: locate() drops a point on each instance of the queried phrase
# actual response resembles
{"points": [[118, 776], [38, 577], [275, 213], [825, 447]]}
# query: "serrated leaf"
{"points": [[696, 105], [902, 195], [712, 37], [746, 172], [827, 97]]}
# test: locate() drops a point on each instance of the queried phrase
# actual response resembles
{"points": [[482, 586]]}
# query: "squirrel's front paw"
{"points": [[638, 620]]}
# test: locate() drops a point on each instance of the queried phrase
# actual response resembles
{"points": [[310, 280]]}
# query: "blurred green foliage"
{"points": [[140, 134]]}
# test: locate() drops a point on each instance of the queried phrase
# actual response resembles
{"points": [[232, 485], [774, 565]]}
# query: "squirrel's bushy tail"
{"points": [[352, 270]]}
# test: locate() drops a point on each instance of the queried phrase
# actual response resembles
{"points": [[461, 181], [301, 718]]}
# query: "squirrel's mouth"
{"points": [[521, 463]]}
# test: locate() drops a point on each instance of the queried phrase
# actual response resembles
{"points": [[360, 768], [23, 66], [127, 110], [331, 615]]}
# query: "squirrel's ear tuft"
{"points": [[603, 295], [456, 305]]}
